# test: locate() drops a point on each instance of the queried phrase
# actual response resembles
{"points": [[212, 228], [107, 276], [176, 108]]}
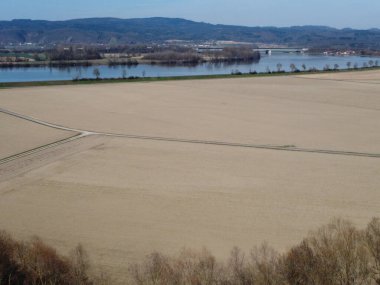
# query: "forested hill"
{"points": [[145, 30]]}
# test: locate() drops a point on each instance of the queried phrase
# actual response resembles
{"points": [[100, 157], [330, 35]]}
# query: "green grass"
{"points": [[167, 78], [28, 55]]}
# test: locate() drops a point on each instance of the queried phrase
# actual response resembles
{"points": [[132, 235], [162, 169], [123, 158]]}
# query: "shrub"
{"points": [[372, 238], [188, 268], [335, 254], [34, 262]]}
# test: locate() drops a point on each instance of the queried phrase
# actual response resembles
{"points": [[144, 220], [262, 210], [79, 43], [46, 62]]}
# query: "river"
{"points": [[25, 74]]}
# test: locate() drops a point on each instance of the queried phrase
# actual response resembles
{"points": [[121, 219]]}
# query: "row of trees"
{"points": [[336, 254], [174, 57], [293, 67], [73, 53], [124, 74], [33, 262], [327, 67], [233, 54], [371, 63], [228, 54]]}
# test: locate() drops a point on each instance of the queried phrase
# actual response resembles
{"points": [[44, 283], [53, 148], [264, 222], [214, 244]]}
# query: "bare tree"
{"points": [[372, 235], [336, 66], [238, 268], [293, 67], [34, 262], [77, 76], [335, 254], [349, 64], [81, 264], [96, 73], [279, 67], [266, 266], [300, 265], [304, 67], [124, 73]]}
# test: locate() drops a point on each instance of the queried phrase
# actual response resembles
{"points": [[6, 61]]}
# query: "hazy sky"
{"points": [[336, 13]]}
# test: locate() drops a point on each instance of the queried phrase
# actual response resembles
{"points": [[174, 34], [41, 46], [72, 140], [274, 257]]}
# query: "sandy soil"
{"points": [[287, 110], [362, 76], [17, 135], [124, 198]]}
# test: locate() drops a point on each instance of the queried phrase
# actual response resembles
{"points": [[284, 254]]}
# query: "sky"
{"points": [[361, 14]]}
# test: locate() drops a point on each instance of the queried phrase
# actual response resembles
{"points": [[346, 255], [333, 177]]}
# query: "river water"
{"points": [[266, 62]]}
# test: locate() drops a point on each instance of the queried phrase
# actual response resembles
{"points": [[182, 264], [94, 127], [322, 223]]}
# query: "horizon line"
{"points": [[178, 18]]}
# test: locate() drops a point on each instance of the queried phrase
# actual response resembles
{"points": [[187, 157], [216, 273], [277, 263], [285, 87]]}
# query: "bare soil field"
{"points": [[280, 111], [123, 198], [362, 76], [18, 135]]}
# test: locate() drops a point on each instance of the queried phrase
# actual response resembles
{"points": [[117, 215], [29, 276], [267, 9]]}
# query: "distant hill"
{"points": [[147, 30]]}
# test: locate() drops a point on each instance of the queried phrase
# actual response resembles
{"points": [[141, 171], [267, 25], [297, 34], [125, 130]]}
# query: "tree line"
{"points": [[335, 254], [73, 53], [227, 54]]}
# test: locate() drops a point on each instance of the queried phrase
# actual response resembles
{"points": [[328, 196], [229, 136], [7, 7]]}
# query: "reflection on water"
{"points": [[266, 63]]}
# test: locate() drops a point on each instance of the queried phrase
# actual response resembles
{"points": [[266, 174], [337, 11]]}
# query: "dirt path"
{"points": [[84, 133]]}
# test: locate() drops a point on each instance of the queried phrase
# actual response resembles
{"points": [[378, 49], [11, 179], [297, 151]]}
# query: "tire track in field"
{"points": [[84, 133]]}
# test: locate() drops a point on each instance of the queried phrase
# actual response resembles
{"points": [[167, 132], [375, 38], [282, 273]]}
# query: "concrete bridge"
{"points": [[281, 50], [261, 50]]}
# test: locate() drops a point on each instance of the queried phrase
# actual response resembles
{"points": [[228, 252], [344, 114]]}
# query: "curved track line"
{"points": [[84, 133]]}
